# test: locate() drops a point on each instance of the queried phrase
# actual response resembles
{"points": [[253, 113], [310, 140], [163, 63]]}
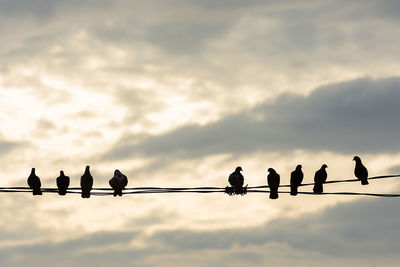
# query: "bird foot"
{"points": [[230, 190]]}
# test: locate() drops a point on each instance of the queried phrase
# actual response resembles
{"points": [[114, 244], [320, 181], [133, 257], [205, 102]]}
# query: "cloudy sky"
{"points": [[179, 93]]}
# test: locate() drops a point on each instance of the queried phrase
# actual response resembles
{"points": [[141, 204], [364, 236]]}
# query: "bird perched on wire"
{"points": [[86, 183], [273, 180], [319, 179], [118, 182], [296, 177], [236, 180], [34, 183], [360, 171], [62, 183]]}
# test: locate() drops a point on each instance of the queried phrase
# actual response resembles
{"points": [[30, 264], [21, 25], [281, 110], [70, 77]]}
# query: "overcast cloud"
{"points": [[179, 93], [361, 116], [362, 233]]}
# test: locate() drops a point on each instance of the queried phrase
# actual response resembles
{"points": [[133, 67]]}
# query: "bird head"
{"points": [[62, 173], [271, 170], [357, 159], [298, 167], [87, 169], [33, 170], [238, 169], [117, 171], [324, 166]]}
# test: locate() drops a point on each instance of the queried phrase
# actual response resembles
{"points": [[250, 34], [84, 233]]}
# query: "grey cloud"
{"points": [[395, 169], [6, 146], [363, 232], [366, 228], [184, 37], [84, 251], [360, 116]]}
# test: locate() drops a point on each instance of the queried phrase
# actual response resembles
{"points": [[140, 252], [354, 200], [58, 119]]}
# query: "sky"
{"points": [[180, 93]]}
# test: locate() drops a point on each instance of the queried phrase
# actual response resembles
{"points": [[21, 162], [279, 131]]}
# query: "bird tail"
{"points": [[293, 190], [37, 191], [62, 192], [85, 193], [273, 194], [318, 188], [364, 181]]}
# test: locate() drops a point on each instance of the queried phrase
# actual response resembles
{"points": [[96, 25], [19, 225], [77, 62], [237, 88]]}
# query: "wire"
{"points": [[105, 191]]}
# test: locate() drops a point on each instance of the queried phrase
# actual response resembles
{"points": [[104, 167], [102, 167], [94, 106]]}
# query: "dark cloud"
{"points": [[362, 231], [360, 116], [366, 228], [84, 251]]}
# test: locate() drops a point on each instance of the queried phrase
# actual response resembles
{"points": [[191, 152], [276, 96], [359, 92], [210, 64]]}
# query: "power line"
{"points": [[105, 191]]}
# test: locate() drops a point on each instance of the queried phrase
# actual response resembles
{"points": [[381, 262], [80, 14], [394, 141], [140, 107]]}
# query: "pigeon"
{"points": [[118, 182], [273, 183], [296, 177], [360, 171], [62, 184], [86, 183], [236, 180], [319, 179], [34, 183]]}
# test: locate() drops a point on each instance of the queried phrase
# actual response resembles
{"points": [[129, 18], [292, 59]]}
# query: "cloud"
{"points": [[362, 232], [360, 116], [365, 228], [6, 146], [395, 169]]}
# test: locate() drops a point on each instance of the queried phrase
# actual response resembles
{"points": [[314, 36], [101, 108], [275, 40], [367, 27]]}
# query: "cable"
{"points": [[105, 191]]}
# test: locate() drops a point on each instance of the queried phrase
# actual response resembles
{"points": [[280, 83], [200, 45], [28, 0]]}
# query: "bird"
{"points": [[236, 180], [118, 182], [34, 183], [296, 177], [360, 171], [273, 183], [319, 179], [86, 183], [62, 183]]}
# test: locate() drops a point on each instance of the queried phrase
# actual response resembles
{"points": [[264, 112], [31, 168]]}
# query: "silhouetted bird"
{"points": [[62, 184], [34, 183], [296, 177], [118, 182], [319, 179], [86, 183], [236, 180], [360, 171], [273, 183]]}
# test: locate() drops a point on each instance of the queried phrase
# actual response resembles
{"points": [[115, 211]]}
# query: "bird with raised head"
{"points": [[296, 178], [34, 183], [319, 179], [62, 183], [273, 180], [86, 183], [360, 171]]}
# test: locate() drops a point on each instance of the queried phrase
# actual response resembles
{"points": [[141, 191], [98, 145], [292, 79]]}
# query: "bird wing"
{"points": [[124, 181], [232, 179]]}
